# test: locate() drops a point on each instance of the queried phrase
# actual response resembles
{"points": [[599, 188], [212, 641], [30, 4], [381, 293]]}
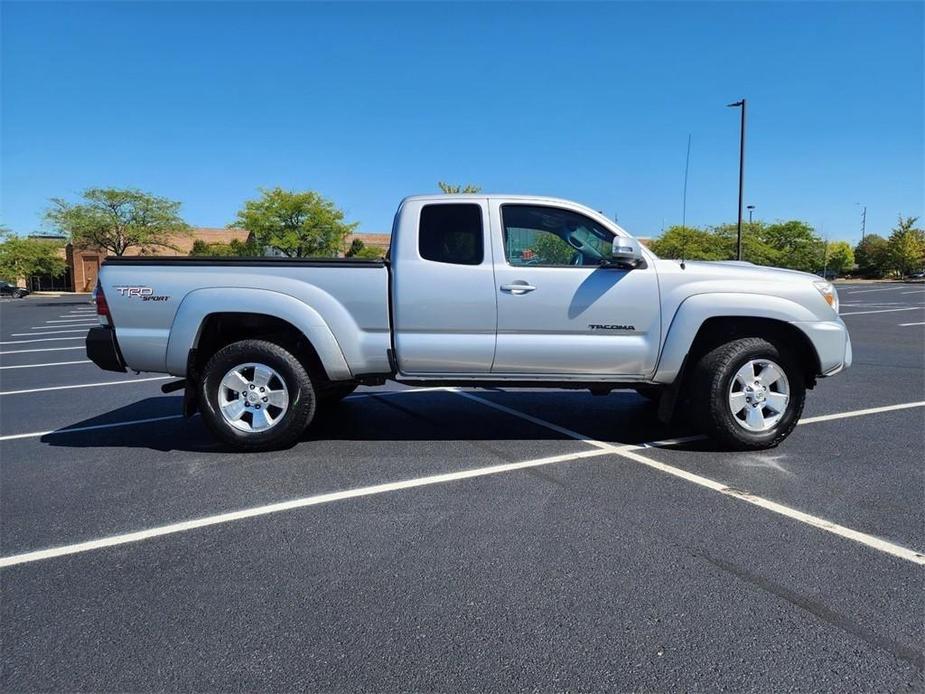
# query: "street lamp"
{"points": [[750, 208], [740, 104]]}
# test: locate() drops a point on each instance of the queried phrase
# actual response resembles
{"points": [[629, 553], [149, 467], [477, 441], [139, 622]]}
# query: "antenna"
{"points": [[687, 164], [825, 250]]}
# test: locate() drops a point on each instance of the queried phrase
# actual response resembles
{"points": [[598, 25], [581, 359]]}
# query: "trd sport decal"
{"points": [[598, 326], [143, 293]]}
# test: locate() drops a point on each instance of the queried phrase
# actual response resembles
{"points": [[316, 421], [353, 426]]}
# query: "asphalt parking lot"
{"points": [[447, 540]]}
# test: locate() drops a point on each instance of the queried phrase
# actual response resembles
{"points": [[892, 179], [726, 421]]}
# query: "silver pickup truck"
{"points": [[477, 290]]}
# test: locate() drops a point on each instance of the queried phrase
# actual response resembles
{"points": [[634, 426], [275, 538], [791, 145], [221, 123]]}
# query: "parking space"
{"points": [[448, 539]]}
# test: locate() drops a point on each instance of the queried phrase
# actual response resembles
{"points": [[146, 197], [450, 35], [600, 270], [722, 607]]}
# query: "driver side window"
{"points": [[538, 235]]}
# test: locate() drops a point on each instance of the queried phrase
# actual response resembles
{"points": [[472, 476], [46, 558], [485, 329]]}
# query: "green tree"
{"points": [[839, 257], [299, 225], [549, 249], [796, 244], [358, 249], [234, 248], [873, 256], [22, 258], [356, 246], [115, 220], [687, 243], [755, 248], [370, 253], [906, 246], [451, 189]]}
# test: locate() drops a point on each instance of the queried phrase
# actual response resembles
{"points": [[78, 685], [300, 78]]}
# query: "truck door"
{"points": [[443, 287], [559, 310]]}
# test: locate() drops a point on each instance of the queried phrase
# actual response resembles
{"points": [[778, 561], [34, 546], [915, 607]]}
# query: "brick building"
{"points": [[83, 264]]}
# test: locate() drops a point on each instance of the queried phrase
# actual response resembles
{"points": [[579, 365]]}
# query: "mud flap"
{"points": [[667, 404]]}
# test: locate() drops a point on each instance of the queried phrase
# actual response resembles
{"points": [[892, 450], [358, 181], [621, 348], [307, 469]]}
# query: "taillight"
{"points": [[102, 308]]}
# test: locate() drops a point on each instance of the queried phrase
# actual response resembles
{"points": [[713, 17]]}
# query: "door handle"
{"points": [[517, 288]]}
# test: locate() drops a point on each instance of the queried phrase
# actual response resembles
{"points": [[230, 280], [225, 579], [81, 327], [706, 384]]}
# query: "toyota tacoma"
{"points": [[476, 290]]}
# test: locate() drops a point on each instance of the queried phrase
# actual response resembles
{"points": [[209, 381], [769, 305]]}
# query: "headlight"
{"points": [[827, 289]]}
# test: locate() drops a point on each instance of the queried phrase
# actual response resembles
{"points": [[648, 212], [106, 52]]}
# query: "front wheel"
{"points": [[749, 393], [256, 395]]}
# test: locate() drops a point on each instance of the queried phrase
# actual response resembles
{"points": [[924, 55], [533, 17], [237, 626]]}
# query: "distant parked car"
{"points": [[11, 290], [917, 275]]}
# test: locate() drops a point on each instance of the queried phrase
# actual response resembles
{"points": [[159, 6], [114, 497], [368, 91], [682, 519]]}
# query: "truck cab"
{"points": [[519, 288]]}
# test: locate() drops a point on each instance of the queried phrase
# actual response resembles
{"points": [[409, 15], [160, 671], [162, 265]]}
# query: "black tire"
{"points": [[333, 393], [712, 379], [301, 407]]}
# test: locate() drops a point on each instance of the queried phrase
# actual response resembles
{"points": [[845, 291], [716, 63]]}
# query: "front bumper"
{"points": [[103, 349], [832, 343]]}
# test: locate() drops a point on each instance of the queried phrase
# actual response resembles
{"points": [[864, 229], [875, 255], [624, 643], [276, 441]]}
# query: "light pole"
{"points": [[740, 104], [750, 208]]}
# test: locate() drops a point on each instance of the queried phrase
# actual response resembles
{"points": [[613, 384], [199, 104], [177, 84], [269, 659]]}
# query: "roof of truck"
{"points": [[543, 199], [482, 196]]}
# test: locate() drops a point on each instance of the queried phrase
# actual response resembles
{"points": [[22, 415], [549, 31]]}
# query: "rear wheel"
{"points": [[256, 395], [748, 393]]}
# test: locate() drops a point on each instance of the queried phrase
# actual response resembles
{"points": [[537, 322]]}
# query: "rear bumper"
{"points": [[103, 349], [832, 344]]}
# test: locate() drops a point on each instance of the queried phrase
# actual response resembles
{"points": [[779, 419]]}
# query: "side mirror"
{"points": [[626, 252]]}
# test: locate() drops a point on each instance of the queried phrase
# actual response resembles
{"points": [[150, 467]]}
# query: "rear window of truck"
{"points": [[451, 233]]}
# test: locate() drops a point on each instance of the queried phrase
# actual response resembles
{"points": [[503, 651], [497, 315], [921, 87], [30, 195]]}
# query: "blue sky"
{"points": [[366, 103]]}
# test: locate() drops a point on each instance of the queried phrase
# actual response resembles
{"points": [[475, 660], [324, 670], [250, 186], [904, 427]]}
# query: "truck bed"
{"points": [[156, 300]]}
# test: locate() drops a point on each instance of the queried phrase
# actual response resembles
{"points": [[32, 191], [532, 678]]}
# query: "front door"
{"points": [[559, 310]]}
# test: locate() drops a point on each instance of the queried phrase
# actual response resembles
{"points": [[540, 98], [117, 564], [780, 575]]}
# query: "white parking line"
{"points": [[303, 502], [906, 325], [93, 427], [883, 310], [49, 332], [815, 521], [874, 304], [54, 363], [85, 385], [807, 518], [601, 449], [915, 291], [43, 349], [72, 325], [861, 413], [44, 339], [66, 320], [852, 292]]}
